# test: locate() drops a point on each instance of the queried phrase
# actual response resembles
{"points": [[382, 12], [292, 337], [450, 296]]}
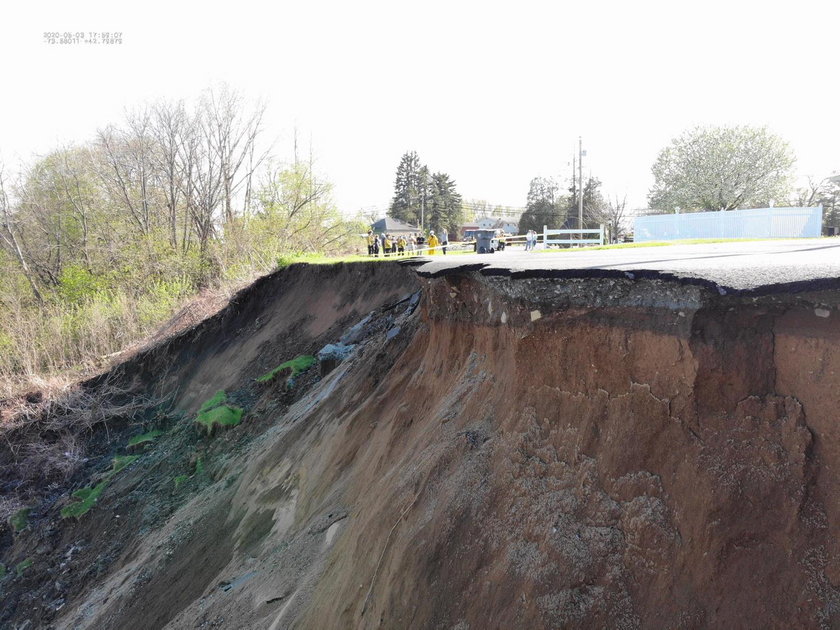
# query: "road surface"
{"points": [[750, 266]]}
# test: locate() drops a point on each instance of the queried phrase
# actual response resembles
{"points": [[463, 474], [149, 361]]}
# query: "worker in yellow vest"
{"points": [[433, 243]]}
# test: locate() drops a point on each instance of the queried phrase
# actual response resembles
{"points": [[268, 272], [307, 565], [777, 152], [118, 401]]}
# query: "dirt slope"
{"points": [[493, 453]]}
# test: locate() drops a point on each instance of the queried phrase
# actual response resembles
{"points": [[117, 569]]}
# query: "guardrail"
{"points": [[573, 241]]}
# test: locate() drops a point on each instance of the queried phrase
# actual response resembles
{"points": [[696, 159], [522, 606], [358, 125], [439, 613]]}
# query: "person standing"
{"points": [[433, 243], [370, 240], [444, 242]]}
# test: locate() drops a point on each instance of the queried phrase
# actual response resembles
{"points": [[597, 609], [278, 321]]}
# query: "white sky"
{"points": [[492, 93]]}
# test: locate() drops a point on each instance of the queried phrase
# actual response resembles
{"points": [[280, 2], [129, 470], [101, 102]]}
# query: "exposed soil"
{"points": [[492, 453]]}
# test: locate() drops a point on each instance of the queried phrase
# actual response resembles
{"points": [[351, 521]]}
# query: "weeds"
{"points": [[214, 412], [297, 365], [85, 498]]}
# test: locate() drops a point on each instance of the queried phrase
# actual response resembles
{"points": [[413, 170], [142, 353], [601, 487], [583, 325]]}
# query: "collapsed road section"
{"points": [[463, 449]]}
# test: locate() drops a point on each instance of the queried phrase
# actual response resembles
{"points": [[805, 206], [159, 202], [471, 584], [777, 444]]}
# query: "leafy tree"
{"points": [[411, 181], [544, 206], [721, 168]]}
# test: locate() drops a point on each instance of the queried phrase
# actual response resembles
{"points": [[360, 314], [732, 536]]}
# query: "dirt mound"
{"points": [[473, 453]]}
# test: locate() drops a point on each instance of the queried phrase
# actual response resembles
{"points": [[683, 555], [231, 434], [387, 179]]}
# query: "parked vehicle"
{"points": [[488, 241]]}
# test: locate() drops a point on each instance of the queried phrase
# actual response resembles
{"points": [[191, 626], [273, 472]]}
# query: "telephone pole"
{"points": [[580, 185]]}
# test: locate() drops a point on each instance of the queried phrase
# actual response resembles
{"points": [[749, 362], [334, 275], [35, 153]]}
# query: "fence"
{"points": [[573, 241], [756, 223]]}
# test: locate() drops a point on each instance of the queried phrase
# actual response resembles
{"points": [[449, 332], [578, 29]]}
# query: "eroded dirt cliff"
{"points": [[492, 453]]}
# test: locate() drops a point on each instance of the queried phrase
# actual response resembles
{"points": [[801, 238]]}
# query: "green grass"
{"points": [[297, 365], [86, 498], [2, 570], [23, 566], [20, 519], [151, 436]]}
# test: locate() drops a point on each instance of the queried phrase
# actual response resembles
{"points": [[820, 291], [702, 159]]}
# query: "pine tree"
{"points": [[446, 204], [407, 202]]}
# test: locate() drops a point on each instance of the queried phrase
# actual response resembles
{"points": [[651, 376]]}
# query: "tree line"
{"points": [[171, 199], [704, 169], [425, 199]]}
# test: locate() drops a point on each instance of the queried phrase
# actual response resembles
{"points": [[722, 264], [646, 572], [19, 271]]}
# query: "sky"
{"points": [[491, 93]]}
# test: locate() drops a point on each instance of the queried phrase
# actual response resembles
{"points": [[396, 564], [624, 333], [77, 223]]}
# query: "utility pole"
{"points": [[580, 185]]}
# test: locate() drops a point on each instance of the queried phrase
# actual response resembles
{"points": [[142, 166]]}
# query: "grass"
{"points": [[2, 570], [215, 413], [297, 365], [151, 436], [180, 480], [86, 498], [23, 566], [20, 520]]}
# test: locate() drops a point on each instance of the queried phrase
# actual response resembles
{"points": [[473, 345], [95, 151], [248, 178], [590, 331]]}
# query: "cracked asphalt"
{"points": [[734, 267]]}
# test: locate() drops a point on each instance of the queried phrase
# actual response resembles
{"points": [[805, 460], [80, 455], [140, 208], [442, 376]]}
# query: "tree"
{"points": [[722, 168], [411, 180], [544, 206], [8, 234], [594, 205], [825, 193], [612, 214], [445, 208]]}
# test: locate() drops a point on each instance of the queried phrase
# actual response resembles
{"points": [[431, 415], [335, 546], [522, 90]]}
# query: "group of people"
{"points": [[401, 245], [530, 240]]}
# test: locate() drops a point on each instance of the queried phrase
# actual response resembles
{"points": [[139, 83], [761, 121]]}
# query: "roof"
{"points": [[392, 225]]}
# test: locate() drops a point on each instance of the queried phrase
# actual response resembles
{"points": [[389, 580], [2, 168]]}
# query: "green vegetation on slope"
{"points": [[85, 498], [214, 412], [297, 365], [145, 438]]}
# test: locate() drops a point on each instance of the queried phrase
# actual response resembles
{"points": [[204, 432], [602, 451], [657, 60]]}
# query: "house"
{"points": [[390, 225], [495, 223]]}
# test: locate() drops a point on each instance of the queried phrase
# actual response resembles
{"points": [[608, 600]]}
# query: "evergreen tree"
{"points": [[445, 208], [409, 189], [593, 204]]}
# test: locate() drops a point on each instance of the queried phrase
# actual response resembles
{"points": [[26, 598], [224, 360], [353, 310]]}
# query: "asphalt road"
{"points": [[756, 266]]}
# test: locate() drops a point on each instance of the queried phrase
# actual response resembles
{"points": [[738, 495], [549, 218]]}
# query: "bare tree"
{"points": [[169, 127], [9, 236], [231, 135], [614, 215]]}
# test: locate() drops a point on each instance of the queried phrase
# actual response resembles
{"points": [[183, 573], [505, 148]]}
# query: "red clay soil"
{"points": [[525, 453]]}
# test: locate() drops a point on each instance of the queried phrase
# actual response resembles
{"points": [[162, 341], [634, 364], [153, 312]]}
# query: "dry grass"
{"points": [[44, 439]]}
